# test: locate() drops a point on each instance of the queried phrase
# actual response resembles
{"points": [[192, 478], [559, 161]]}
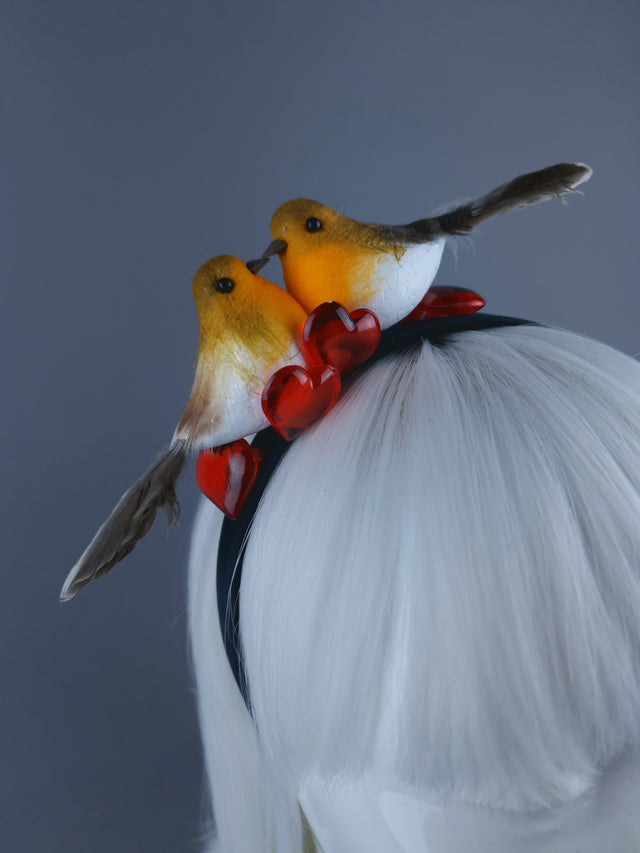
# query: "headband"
{"points": [[235, 533], [280, 357]]}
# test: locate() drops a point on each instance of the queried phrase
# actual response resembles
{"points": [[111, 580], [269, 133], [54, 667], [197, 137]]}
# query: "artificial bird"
{"points": [[388, 268], [249, 328]]}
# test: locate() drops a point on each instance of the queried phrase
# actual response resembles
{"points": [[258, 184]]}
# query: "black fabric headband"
{"points": [[233, 538]]}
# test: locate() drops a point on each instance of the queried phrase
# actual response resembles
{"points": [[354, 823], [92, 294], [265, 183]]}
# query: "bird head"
{"points": [[248, 325]]}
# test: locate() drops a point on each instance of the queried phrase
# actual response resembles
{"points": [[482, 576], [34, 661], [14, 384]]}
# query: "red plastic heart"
{"points": [[226, 475], [332, 335], [442, 301], [294, 397]]}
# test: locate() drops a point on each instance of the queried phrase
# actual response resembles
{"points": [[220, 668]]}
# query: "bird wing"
{"points": [[130, 520]]}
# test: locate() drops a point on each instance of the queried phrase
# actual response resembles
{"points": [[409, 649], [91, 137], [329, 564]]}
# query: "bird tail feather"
{"points": [[552, 182], [130, 520]]}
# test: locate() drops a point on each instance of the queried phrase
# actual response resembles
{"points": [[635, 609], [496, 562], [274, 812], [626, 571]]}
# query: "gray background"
{"points": [[139, 139]]}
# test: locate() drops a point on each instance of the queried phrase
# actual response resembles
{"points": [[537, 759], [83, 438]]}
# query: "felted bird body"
{"points": [[330, 257], [249, 329]]}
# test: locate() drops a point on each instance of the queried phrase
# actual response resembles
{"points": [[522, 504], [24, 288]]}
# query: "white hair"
{"points": [[442, 584]]}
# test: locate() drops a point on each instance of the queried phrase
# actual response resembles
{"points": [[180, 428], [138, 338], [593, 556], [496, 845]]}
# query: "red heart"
{"points": [[294, 397], [333, 336], [226, 475], [441, 301]]}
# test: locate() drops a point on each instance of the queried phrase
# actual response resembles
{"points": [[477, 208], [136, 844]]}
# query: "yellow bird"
{"points": [[388, 268], [249, 329]]}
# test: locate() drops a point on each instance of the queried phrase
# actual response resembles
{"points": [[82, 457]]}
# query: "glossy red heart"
{"points": [[294, 397], [332, 335], [441, 301], [226, 474]]}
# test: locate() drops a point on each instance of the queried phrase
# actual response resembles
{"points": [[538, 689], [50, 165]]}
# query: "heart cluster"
{"points": [[335, 342]]}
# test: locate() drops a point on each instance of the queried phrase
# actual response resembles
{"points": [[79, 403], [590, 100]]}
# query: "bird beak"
{"points": [[256, 265], [275, 247]]}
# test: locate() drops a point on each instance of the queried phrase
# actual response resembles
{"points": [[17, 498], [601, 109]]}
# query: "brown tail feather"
{"points": [[552, 182], [130, 520]]}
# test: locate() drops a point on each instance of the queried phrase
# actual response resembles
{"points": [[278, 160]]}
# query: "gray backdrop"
{"points": [[139, 139]]}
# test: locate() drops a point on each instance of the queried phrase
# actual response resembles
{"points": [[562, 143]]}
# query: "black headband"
{"points": [[233, 538]]}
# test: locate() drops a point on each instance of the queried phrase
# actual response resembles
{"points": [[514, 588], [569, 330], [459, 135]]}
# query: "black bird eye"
{"points": [[312, 225], [224, 285]]}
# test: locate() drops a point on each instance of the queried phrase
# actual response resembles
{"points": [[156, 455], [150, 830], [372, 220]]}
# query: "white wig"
{"points": [[441, 585]]}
